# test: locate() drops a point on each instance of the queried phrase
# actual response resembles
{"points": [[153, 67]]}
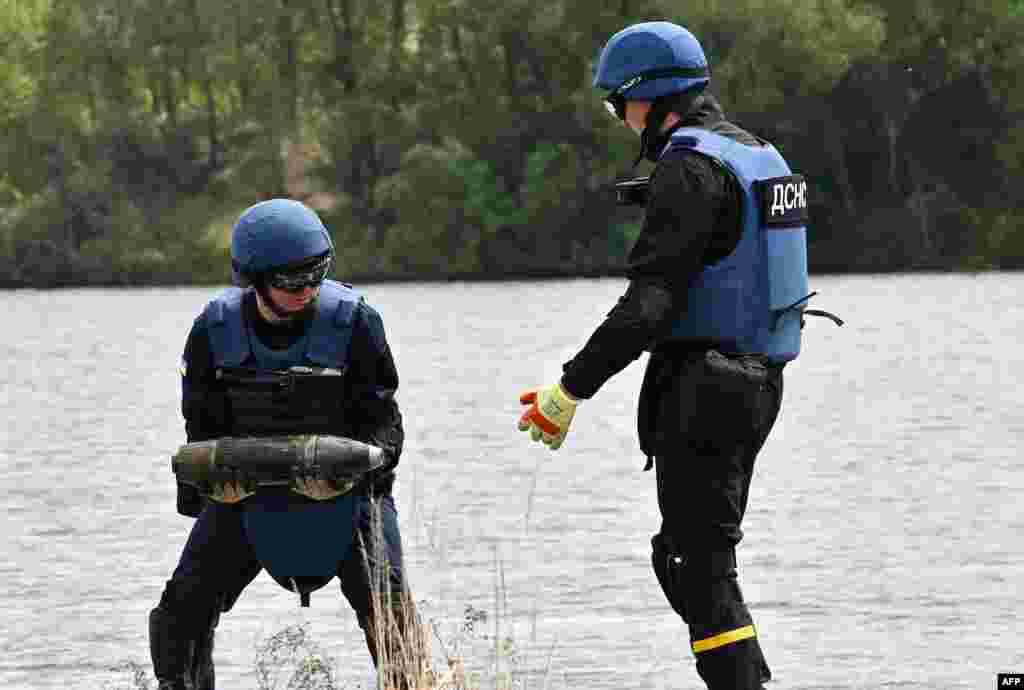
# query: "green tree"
{"points": [[762, 57], [445, 136]]}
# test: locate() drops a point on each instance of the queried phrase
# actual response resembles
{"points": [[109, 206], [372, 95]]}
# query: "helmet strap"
{"points": [[652, 139], [643, 147]]}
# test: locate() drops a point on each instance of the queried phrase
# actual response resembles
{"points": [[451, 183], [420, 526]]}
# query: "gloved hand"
{"points": [[229, 492], [320, 489], [549, 415]]}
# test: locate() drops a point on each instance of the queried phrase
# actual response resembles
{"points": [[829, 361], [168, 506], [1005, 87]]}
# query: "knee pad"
{"points": [[669, 564], [699, 584]]}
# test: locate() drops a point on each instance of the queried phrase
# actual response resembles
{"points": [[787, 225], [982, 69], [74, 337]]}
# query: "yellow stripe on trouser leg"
{"points": [[709, 643]]}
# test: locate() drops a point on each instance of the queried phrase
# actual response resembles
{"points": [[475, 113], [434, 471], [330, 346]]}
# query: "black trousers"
{"points": [[704, 417], [217, 563]]}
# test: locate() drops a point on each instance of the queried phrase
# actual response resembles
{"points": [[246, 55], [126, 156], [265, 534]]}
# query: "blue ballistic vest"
{"points": [[752, 300], [325, 344], [301, 543]]}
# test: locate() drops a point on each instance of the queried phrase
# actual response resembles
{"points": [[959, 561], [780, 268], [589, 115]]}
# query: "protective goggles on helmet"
{"points": [[309, 274], [615, 102]]}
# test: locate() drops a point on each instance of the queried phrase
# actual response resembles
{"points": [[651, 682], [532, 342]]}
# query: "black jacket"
{"points": [[370, 384], [693, 218]]}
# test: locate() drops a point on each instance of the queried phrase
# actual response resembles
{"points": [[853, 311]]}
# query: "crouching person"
{"points": [[270, 366]]}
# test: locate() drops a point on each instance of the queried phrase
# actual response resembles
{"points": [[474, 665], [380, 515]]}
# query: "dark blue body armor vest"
{"points": [[300, 542], [325, 344]]}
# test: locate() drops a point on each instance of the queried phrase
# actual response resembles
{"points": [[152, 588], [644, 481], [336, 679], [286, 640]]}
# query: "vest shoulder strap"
{"points": [[329, 336], [228, 339], [331, 331], [749, 163], [702, 140]]}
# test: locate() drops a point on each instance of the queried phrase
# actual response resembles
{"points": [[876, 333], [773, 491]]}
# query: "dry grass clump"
{"points": [[291, 660], [399, 637], [132, 676]]}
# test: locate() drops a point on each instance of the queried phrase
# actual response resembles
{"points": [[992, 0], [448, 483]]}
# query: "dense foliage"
{"points": [[462, 137]]}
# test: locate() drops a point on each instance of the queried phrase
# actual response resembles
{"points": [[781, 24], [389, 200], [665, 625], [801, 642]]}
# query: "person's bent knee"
{"points": [[668, 563], [700, 585], [190, 602]]}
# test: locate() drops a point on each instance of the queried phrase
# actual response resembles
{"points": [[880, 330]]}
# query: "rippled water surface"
{"points": [[883, 540]]}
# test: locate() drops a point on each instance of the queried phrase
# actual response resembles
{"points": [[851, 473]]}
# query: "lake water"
{"points": [[883, 540]]}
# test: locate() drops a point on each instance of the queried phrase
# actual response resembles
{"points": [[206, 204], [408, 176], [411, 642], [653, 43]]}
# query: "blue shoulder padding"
{"points": [[327, 342], [331, 332], [228, 338]]}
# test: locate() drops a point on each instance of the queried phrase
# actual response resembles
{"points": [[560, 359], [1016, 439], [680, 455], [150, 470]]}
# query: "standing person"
{"points": [[717, 285], [289, 352]]}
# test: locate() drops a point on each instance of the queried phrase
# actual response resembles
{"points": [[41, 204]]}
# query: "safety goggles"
{"points": [[302, 277], [615, 102]]}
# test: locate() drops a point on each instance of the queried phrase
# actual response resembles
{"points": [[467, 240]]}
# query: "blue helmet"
{"points": [[649, 60], [274, 235]]}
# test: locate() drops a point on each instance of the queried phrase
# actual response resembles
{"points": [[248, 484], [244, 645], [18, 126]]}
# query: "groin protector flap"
{"points": [[293, 538]]}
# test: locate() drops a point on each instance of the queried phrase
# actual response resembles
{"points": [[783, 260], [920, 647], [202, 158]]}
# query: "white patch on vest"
{"points": [[786, 197]]}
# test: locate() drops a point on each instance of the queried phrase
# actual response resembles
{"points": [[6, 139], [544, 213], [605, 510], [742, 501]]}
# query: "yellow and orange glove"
{"points": [[549, 416]]}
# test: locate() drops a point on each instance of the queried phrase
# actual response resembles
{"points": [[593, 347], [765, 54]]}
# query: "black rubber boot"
{"points": [[171, 649]]}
